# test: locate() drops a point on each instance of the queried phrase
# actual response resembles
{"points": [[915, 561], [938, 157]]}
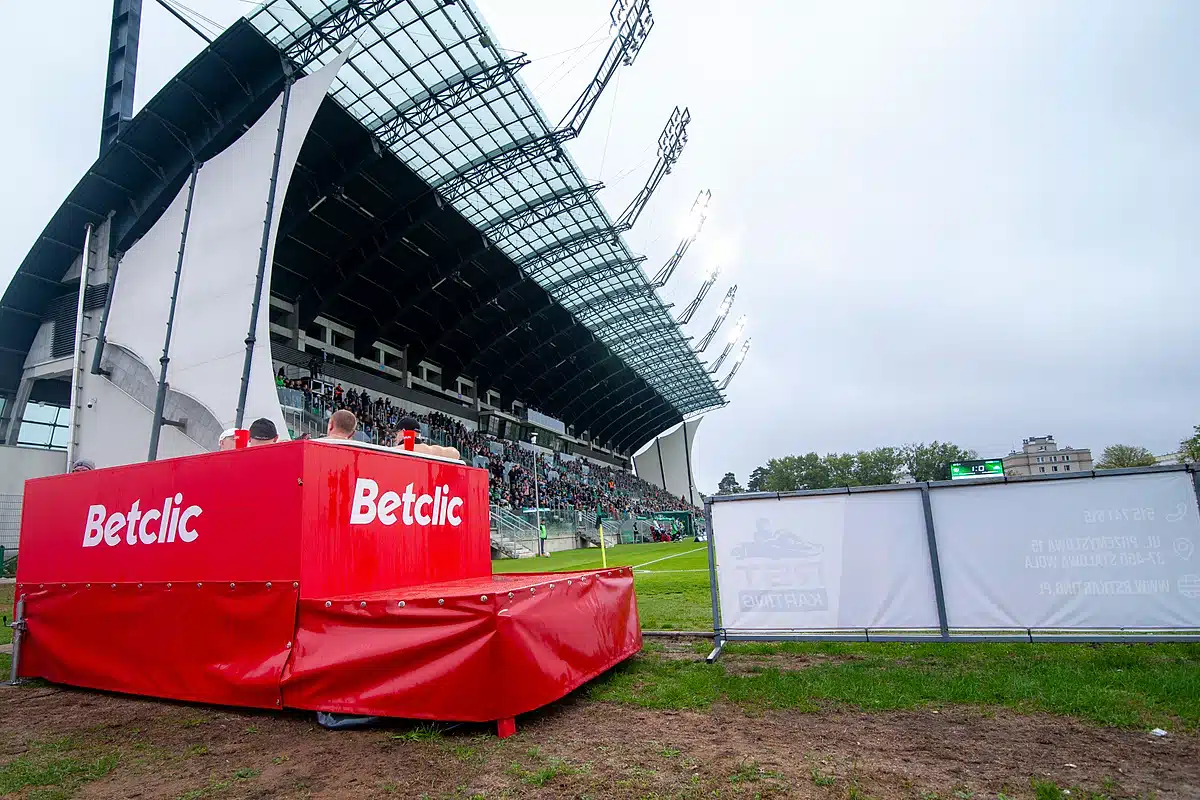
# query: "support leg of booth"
{"points": [[18, 629], [712, 657], [506, 728]]}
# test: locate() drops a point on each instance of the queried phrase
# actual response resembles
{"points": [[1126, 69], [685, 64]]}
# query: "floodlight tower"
{"points": [[696, 218], [722, 313], [734, 337], [713, 273], [671, 142], [737, 363], [122, 69], [633, 22]]}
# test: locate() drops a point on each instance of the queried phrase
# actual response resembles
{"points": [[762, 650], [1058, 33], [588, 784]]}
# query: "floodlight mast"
{"points": [[741, 357], [633, 22], [734, 337], [122, 69], [699, 213], [690, 311], [671, 142], [722, 313]]}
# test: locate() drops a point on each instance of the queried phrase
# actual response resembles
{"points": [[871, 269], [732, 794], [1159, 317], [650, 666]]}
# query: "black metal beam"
{"points": [[424, 108], [331, 185], [469, 312], [653, 426], [613, 413], [563, 248], [595, 272], [605, 299], [516, 155], [351, 262], [331, 27], [538, 210], [611, 355], [122, 69]]}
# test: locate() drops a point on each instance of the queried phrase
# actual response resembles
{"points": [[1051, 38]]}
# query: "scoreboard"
{"points": [[987, 468]]}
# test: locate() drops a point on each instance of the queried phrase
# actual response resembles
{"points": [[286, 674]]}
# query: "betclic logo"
{"points": [[151, 526], [437, 509]]}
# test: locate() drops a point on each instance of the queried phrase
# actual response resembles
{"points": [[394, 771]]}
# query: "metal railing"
{"points": [[10, 528], [511, 534]]}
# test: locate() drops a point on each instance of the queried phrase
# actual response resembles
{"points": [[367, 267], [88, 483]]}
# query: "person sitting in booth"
{"points": [[409, 423], [342, 424], [228, 440], [262, 431]]}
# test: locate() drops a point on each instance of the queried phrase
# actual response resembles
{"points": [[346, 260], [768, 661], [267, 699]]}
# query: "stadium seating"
{"points": [[566, 483]]}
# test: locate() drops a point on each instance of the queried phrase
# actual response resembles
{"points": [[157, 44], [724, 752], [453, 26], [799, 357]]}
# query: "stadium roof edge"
{"points": [[534, 346]]}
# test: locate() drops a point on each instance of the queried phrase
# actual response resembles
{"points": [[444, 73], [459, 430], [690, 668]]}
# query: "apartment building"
{"points": [[1041, 455]]}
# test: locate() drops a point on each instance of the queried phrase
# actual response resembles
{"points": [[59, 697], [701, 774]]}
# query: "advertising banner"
{"points": [[229, 516], [831, 561], [1110, 552]]}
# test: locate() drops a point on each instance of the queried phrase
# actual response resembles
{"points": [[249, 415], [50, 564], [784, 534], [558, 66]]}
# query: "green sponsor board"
{"points": [[976, 469]]}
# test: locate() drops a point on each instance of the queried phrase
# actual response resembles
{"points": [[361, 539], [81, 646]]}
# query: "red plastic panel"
{"points": [[464, 658], [422, 661], [378, 521], [211, 643], [565, 632], [233, 516]]}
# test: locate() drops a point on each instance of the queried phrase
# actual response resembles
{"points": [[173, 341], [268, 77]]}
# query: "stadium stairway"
{"points": [[510, 534]]}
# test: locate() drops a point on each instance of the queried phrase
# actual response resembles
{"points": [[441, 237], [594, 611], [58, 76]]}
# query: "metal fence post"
{"points": [[934, 564], [718, 641], [1195, 470], [18, 628]]}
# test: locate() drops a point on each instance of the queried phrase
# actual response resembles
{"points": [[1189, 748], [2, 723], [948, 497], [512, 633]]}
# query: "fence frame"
{"points": [[721, 635]]}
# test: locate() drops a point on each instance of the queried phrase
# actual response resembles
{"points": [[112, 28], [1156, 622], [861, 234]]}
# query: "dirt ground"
{"points": [[579, 748]]}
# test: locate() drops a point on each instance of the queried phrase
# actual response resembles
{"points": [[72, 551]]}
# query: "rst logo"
{"points": [[437, 509], [148, 527]]}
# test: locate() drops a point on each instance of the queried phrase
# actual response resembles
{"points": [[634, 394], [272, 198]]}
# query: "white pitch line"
{"points": [[666, 571], [664, 558]]}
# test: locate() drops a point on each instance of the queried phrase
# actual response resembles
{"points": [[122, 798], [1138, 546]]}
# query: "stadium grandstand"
{"points": [[435, 251]]}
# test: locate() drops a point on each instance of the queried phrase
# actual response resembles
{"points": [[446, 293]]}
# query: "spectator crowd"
{"points": [[564, 482]]}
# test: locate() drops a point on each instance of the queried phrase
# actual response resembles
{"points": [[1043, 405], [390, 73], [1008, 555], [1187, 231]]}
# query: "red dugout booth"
{"points": [[305, 575]]}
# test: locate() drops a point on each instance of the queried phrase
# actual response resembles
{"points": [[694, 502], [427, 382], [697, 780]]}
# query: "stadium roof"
{"points": [[509, 270]]}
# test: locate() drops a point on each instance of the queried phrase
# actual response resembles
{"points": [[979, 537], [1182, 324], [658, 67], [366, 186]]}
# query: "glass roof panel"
{"points": [[490, 150]]}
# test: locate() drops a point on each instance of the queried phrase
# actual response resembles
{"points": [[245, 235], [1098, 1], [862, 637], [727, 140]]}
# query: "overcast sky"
{"points": [[960, 220]]}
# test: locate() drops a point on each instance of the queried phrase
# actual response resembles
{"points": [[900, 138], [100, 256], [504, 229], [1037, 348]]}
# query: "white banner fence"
{"points": [[1098, 556]]}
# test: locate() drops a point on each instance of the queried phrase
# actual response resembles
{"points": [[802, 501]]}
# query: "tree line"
{"points": [[883, 465], [921, 462], [1117, 456]]}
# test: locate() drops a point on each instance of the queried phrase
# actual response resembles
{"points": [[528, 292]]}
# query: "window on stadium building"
{"points": [[45, 426]]}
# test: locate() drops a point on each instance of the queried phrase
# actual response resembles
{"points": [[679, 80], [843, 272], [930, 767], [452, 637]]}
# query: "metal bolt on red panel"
{"points": [[401, 604], [483, 598], [328, 603]]}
